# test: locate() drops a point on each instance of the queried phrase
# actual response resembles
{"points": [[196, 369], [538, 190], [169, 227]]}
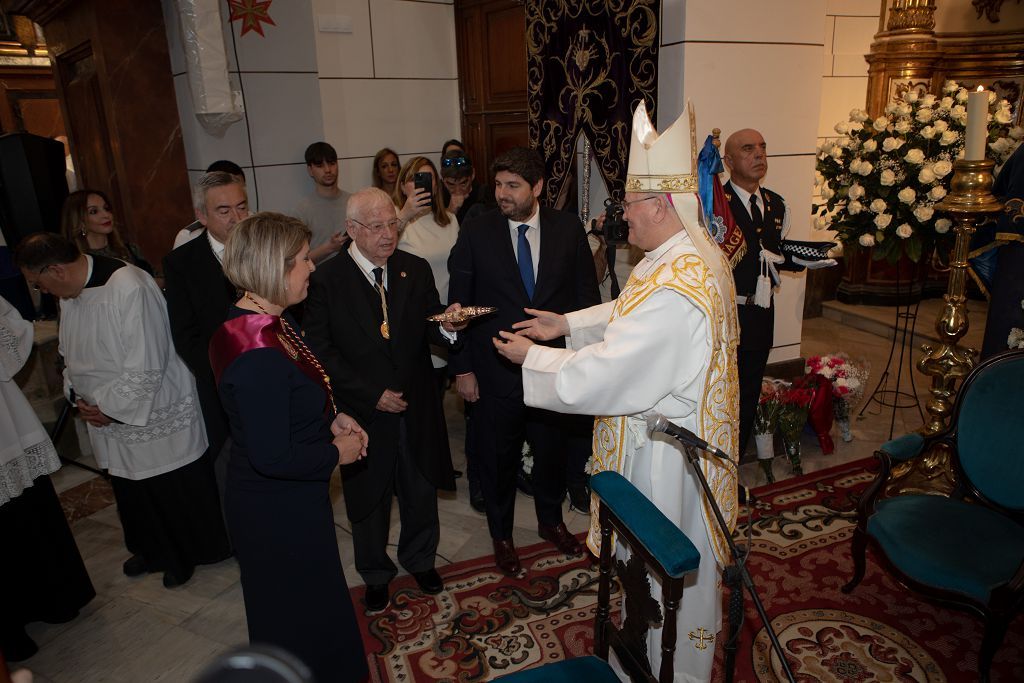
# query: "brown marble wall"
{"points": [[114, 79]]}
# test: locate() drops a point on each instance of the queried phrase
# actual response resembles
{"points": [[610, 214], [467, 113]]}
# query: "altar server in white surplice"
{"points": [[139, 400], [666, 345]]}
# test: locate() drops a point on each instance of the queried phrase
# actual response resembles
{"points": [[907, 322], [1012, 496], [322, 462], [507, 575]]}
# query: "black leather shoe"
{"points": [[560, 536], [135, 566], [507, 559], [579, 498], [377, 598], [173, 579], [429, 581]]}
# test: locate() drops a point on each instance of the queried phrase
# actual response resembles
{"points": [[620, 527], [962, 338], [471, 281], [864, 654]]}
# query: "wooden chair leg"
{"points": [[858, 549], [672, 592], [995, 630], [604, 588]]}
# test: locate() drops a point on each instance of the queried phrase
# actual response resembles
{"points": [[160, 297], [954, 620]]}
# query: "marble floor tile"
{"points": [[108, 516], [178, 604], [222, 619], [101, 644]]}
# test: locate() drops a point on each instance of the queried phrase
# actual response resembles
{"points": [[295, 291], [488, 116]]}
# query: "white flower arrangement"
{"points": [[880, 180]]}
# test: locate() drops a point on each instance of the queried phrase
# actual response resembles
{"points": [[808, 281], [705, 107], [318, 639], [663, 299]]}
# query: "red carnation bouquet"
{"points": [[848, 380], [795, 403]]}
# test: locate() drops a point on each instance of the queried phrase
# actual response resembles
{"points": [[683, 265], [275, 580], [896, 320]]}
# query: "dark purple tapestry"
{"points": [[590, 63]]}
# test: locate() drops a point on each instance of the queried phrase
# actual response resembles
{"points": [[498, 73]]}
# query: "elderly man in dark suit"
{"points": [[199, 295], [366, 319], [517, 258]]}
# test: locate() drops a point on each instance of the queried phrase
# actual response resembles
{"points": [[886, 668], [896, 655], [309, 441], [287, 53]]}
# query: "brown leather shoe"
{"points": [[507, 559], [561, 537]]}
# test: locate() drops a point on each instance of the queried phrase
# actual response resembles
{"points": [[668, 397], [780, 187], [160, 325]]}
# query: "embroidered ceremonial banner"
{"points": [[590, 63], [715, 205]]}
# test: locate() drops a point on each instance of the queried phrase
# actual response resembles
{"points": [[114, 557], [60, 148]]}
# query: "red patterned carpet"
{"points": [[485, 625], [879, 632]]}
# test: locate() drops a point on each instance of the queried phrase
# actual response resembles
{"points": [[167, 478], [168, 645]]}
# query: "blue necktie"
{"points": [[525, 261]]}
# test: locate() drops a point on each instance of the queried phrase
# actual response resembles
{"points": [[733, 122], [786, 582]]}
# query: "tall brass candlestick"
{"points": [[969, 202]]}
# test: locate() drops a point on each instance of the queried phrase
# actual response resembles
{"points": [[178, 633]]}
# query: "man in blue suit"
{"points": [[518, 257]]}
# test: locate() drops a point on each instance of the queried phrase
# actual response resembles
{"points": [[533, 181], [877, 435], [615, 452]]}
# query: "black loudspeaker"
{"points": [[33, 186]]}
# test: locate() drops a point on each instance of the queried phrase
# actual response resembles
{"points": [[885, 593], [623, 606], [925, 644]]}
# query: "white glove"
{"points": [[814, 265]]}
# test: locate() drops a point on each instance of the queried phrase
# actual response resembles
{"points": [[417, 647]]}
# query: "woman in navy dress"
{"points": [[287, 439]]}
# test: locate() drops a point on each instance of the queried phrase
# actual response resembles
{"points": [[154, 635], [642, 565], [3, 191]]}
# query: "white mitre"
{"points": [[667, 163]]}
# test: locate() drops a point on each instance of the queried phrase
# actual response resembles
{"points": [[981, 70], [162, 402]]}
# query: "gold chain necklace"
{"points": [[300, 346]]}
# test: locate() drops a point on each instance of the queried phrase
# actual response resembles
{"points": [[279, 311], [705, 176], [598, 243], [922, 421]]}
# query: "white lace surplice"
{"points": [[116, 343], [26, 451]]}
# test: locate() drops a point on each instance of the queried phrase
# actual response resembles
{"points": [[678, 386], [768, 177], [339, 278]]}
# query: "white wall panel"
{"points": [[410, 116], [284, 115], [413, 39]]}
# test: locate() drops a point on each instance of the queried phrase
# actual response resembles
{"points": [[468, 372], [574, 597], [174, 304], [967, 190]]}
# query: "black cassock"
{"points": [[42, 577]]}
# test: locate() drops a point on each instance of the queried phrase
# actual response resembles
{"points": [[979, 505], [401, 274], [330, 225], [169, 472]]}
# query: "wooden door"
{"points": [[89, 132], [491, 48]]}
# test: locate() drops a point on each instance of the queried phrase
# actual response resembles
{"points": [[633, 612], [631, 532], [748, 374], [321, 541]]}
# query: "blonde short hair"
{"points": [[260, 251]]}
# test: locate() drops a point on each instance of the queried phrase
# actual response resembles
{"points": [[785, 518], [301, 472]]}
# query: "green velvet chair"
{"points": [[656, 543], [965, 549]]}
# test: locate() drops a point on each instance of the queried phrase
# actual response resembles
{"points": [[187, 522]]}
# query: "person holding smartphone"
{"points": [[429, 232]]}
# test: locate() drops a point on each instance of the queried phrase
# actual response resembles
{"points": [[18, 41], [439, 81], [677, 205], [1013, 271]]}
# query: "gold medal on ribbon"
{"points": [[385, 331]]}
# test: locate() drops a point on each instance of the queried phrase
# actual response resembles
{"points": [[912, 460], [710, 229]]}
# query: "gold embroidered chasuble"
{"points": [[617, 437]]}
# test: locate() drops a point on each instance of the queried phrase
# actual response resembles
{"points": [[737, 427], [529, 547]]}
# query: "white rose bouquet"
{"points": [[880, 180]]}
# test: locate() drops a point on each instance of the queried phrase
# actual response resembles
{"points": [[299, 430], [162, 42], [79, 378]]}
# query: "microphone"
{"points": [[656, 422]]}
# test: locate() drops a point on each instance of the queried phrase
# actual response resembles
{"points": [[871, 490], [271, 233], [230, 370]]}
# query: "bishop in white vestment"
{"points": [[666, 345]]}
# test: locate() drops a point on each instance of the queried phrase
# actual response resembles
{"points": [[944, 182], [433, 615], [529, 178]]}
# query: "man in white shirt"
{"points": [[199, 295], [366, 320], [517, 255]]}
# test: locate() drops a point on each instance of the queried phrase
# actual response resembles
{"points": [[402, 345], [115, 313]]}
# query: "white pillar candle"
{"points": [[977, 125]]}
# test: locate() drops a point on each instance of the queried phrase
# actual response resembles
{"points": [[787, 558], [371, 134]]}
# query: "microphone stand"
{"points": [[744, 575]]}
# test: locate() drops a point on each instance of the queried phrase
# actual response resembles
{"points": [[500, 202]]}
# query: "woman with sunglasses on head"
{"points": [[88, 220], [385, 170], [462, 194]]}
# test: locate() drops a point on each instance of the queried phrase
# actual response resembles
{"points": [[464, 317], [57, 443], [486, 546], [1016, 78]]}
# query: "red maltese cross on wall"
{"points": [[253, 14]]}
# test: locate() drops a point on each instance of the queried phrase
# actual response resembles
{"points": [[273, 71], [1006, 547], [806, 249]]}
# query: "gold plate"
{"points": [[462, 315]]}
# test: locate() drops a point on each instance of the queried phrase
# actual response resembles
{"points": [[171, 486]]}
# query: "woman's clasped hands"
{"points": [[349, 438]]}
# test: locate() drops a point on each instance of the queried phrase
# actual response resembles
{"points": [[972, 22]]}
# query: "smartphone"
{"points": [[424, 180]]}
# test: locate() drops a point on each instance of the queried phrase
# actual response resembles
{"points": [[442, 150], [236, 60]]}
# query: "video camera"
{"points": [[615, 229]]}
